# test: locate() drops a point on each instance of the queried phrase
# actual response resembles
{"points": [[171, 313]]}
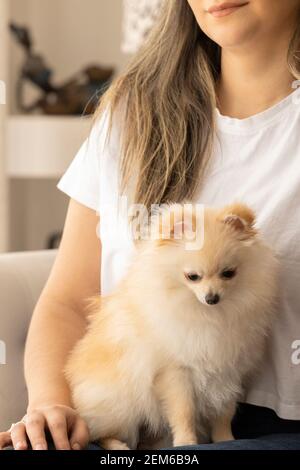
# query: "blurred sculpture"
{"points": [[138, 18], [77, 96]]}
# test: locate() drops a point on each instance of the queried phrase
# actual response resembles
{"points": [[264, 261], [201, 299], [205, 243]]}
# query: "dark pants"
{"points": [[255, 428]]}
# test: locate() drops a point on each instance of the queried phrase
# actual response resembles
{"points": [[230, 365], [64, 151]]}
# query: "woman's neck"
{"points": [[254, 80]]}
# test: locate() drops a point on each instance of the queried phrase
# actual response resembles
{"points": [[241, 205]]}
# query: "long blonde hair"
{"points": [[168, 94]]}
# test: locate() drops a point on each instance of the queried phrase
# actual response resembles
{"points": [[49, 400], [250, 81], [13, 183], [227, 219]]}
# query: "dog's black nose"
{"points": [[212, 299]]}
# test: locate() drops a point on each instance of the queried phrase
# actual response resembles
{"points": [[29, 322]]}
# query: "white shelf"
{"points": [[43, 146]]}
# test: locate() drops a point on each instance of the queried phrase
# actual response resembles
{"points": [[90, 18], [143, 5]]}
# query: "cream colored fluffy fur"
{"points": [[157, 360]]}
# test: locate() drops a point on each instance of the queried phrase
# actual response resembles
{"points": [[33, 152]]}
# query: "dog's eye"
{"points": [[228, 273], [194, 277]]}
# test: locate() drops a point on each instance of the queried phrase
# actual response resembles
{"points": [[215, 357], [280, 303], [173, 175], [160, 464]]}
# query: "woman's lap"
{"points": [[254, 428], [270, 442]]}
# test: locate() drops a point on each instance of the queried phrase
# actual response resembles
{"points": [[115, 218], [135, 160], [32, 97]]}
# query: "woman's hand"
{"points": [[67, 429]]}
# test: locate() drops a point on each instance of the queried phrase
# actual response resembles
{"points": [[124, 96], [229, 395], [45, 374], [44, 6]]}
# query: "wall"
{"points": [[3, 107], [69, 34]]}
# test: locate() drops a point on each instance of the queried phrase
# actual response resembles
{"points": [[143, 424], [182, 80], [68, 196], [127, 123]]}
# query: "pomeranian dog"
{"points": [[169, 352]]}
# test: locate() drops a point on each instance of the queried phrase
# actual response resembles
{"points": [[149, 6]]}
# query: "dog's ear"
{"points": [[241, 218]]}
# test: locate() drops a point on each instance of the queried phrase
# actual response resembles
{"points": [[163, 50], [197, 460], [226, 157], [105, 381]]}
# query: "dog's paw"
{"points": [[185, 442], [113, 444], [222, 437]]}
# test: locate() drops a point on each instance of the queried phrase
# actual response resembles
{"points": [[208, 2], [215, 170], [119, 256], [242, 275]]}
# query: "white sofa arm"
{"points": [[22, 277]]}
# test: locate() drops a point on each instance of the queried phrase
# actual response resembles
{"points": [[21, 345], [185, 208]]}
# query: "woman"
{"points": [[208, 110]]}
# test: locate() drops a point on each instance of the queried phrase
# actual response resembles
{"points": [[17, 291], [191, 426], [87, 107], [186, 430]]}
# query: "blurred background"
{"points": [[56, 58]]}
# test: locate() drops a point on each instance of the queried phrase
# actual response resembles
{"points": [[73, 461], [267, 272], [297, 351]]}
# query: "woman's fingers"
{"points": [[79, 435], [35, 428], [61, 421], [5, 440], [57, 425], [18, 436]]}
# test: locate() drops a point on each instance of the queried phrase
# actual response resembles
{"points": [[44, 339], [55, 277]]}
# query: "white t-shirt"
{"points": [[256, 161]]}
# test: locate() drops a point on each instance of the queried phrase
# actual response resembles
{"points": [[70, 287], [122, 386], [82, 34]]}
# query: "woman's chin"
{"points": [[232, 38]]}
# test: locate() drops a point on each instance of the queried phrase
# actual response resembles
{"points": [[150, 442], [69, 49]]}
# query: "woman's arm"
{"points": [[59, 320], [59, 317]]}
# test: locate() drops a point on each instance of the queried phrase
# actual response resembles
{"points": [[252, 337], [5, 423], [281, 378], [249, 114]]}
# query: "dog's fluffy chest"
{"points": [[217, 357]]}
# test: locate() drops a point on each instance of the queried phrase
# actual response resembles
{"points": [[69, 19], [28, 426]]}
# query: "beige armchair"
{"points": [[22, 277]]}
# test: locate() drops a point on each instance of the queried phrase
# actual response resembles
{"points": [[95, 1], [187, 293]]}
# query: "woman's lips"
{"points": [[225, 9]]}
